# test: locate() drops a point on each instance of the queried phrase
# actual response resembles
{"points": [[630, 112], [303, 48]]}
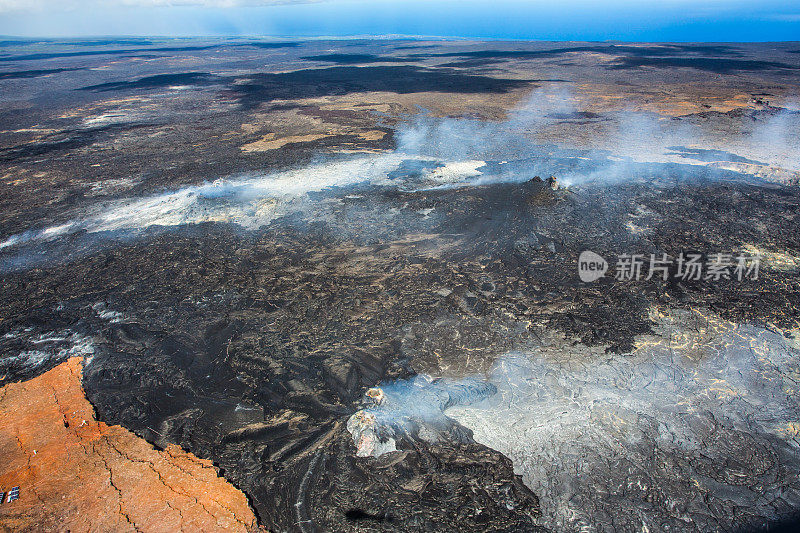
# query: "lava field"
{"points": [[337, 286]]}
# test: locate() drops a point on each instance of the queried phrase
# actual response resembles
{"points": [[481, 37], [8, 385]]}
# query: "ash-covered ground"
{"points": [[338, 270]]}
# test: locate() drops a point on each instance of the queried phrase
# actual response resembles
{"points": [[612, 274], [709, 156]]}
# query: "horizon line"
{"points": [[383, 37]]}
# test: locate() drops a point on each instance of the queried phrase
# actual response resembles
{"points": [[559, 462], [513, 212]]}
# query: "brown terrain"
{"points": [[84, 475]]}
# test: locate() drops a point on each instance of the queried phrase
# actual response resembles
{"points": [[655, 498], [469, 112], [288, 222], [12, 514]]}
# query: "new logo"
{"points": [[591, 266]]}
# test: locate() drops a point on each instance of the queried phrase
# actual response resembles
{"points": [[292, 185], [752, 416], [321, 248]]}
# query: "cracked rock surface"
{"points": [[78, 474]]}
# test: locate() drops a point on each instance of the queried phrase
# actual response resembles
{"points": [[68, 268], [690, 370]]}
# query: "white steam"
{"points": [[411, 409], [249, 202], [551, 120], [548, 134], [702, 418]]}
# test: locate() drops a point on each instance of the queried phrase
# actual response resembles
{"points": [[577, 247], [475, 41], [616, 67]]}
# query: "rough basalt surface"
{"points": [[139, 229]]}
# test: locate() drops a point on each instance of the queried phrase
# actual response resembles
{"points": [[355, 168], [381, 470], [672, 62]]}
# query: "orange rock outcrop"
{"points": [[78, 474]]}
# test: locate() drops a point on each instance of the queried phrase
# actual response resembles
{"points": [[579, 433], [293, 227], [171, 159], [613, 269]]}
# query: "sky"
{"points": [[623, 20]]}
